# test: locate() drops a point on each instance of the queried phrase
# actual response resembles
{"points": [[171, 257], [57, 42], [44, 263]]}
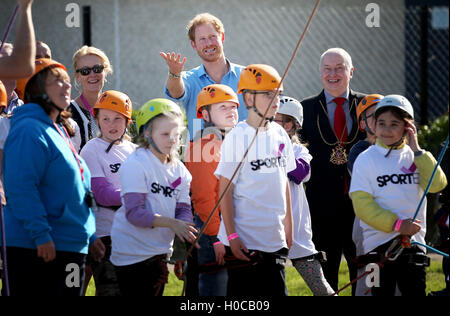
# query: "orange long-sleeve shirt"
{"points": [[201, 159]]}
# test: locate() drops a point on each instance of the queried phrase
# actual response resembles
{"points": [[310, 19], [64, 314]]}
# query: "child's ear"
{"points": [[146, 133], [205, 115], [407, 124], [362, 125], [248, 99]]}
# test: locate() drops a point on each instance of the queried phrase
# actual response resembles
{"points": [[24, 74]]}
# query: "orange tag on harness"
{"points": [[178, 269], [406, 242]]}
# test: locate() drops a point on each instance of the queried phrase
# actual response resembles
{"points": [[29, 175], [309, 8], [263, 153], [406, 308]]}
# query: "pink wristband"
{"points": [[398, 224], [232, 236], [217, 243]]}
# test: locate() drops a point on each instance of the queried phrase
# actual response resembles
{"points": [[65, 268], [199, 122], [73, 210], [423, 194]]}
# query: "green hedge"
{"points": [[431, 136]]}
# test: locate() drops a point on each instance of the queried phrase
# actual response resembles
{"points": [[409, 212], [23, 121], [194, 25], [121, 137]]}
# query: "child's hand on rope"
{"points": [[185, 231], [219, 250], [410, 228], [238, 248]]}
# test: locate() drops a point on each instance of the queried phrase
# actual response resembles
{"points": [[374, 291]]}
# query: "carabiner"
{"points": [[401, 242], [393, 251]]}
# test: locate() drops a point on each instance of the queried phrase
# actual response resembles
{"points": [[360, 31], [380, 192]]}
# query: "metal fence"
{"points": [[427, 47], [406, 53]]}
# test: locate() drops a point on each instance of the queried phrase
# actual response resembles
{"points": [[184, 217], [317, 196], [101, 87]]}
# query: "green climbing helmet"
{"points": [[153, 108]]}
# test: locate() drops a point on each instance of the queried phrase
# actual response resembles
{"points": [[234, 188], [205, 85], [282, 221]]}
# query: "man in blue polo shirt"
{"points": [[206, 33]]}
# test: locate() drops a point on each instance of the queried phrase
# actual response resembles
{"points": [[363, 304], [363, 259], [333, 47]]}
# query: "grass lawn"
{"points": [[297, 287]]}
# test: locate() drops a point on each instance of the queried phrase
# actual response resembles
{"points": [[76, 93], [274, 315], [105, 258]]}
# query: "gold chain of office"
{"points": [[338, 153]]}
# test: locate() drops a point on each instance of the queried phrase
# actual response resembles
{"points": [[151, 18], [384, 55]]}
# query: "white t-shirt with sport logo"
{"points": [[259, 194], [105, 165], [394, 183], [164, 185]]}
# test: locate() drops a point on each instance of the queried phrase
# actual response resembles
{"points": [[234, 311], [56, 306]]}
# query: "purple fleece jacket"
{"points": [[105, 194], [298, 174], [140, 216]]}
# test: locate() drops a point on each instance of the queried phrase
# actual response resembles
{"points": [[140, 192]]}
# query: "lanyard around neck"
{"points": [[86, 104], [67, 139]]}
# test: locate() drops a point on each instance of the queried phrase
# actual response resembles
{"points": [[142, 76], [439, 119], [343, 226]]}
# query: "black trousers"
{"points": [[104, 272], [332, 233], [29, 275], [335, 244], [265, 277], [410, 278], [143, 278]]}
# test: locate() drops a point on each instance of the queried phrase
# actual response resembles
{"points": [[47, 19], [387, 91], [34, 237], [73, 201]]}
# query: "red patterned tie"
{"points": [[340, 126]]}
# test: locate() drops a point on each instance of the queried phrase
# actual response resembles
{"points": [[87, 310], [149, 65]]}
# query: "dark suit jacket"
{"points": [[328, 202]]}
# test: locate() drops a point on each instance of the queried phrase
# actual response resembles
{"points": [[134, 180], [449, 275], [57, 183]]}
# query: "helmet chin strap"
{"points": [[44, 98], [115, 141], [155, 147], [369, 131], [259, 113], [210, 123], [267, 119], [367, 128], [150, 140], [393, 145]]}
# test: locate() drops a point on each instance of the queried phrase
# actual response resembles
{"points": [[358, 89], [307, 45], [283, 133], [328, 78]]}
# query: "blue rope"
{"points": [[441, 156], [430, 248]]}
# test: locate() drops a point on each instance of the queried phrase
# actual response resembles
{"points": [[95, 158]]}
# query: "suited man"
{"points": [[331, 129]]}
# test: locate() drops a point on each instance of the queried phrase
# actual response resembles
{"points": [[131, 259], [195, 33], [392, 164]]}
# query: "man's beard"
{"points": [[212, 58]]}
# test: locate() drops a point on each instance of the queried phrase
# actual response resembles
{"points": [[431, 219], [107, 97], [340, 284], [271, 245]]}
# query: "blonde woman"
{"points": [[91, 66]]}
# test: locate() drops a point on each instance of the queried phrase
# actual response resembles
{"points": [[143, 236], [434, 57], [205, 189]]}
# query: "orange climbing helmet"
{"points": [[259, 77], [215, 93], [367, 102], [40, 64], [3, 96], [115, 101]]}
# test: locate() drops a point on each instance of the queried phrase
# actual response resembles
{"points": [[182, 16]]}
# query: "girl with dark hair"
{"points": [[388, 181]]}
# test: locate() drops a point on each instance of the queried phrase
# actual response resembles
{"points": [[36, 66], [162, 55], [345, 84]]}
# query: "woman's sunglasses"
{"points": [[98, 69]]}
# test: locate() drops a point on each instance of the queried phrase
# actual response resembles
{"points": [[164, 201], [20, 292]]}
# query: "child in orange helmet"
{"points": [[104, 155], [365, 115], [217, 104], [256, 225]]}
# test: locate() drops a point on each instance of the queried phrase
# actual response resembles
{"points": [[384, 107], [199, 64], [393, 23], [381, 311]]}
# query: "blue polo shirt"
{"points": [[195, 80]]}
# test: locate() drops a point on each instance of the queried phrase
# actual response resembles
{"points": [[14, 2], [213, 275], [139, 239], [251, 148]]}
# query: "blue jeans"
{"points": [[210, 283]]}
